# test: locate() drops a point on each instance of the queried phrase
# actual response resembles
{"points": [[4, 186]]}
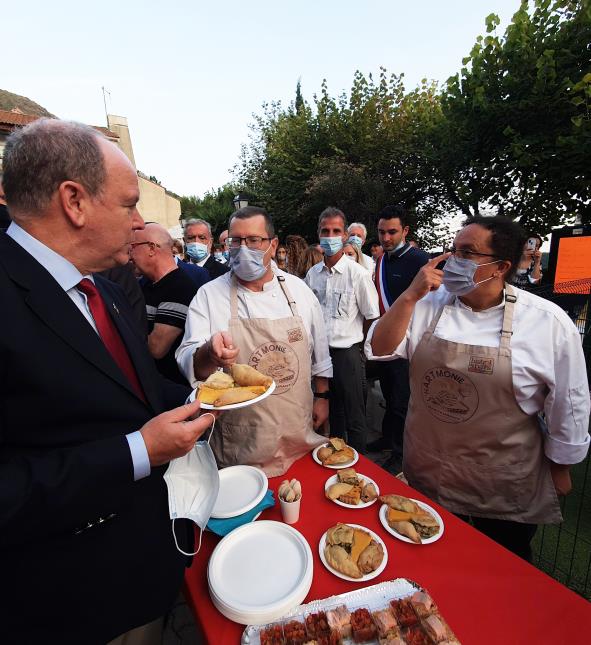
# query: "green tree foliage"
{"points": [[510, 133], [516, 132], [214, 207], [356, 152]]}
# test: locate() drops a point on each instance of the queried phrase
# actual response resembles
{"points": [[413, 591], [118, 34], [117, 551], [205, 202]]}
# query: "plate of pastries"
{"points": [[353, 552], [335, 454], [243, 386], [410, 520], [350, 490]]}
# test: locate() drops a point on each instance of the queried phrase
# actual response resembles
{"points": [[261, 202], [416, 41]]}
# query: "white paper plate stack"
{"points": [[259, 572]]}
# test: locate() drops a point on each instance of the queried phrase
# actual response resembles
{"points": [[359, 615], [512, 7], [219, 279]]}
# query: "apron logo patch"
{"points": [[279, 361], [450, 396], [293, 335], [481, 365]]}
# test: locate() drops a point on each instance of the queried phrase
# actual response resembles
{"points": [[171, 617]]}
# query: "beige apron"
{"points": [[276, 432], [467, 443]]}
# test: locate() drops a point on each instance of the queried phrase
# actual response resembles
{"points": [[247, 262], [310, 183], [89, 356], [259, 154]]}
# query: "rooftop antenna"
{"points": [[105, 92]]}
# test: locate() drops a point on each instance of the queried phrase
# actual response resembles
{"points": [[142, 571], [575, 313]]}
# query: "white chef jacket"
{"points": [[347, 296], [209, 313], [547, 360]]}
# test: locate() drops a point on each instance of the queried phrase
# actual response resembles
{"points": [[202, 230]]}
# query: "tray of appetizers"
{"points": [[243, 386], [397, 612]]}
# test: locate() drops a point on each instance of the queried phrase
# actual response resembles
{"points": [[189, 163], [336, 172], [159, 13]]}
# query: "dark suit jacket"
{"points": [[198, 274], [215, 268], [65, 463]]}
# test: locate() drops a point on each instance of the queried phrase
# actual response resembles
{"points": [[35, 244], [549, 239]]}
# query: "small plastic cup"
{"points": [[290, 511]]}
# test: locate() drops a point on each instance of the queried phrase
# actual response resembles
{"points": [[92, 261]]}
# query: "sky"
{"points": [[189, 75]]}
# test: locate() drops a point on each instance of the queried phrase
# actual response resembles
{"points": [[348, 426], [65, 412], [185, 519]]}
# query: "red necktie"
{"points": [[109, 334]]}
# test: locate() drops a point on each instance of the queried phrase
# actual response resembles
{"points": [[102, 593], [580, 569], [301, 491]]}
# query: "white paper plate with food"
{"points": [[243, 386], [353, 552], [241, 489], [350, 489], [422, 525], [335, 454], [260, 571]]}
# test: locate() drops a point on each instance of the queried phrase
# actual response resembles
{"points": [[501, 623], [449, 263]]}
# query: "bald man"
{"points": [[168, 291]]}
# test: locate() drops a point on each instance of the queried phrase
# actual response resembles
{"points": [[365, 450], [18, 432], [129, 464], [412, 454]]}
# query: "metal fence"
{"points": [[564, 551]]}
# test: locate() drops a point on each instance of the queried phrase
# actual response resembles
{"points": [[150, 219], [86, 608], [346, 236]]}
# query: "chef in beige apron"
{"points": [[277, 431], [468, 445]]}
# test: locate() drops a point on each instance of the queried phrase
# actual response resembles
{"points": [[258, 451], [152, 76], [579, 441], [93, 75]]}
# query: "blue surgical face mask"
{"points": [[458, 275], [218, 256], [197, 251], [226, 254], [331, 245], [248, 264], [355, 239]]}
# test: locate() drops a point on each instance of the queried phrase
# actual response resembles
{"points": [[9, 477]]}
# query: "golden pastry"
{"points": [[348, 476], [340, 534], [371, 557], [219, 381], [361, 540], [324, 453], [336, 490], [400, 503], [247, 375], [339, 559], [234, 395], [368, 493], [337, 443], [407, 529], [352, 497], [339, 457]]}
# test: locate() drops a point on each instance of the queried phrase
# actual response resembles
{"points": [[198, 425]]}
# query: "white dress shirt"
{"points": [[347, 297], [547, 359], [368, 263], [202, 262], [68, 277], [209, 313]]}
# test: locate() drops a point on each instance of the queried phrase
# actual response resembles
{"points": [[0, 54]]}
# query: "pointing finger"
{"points": [[440, 258]]}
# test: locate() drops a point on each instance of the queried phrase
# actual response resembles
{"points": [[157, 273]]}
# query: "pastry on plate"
{"points": [[336, 490], [340, 534], [235, 395], [219, 381], [247, 375], [348, 476], [338, 558], [352, 551]]}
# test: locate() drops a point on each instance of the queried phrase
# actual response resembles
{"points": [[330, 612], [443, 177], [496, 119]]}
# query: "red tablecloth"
{"points": [[487, 594]]}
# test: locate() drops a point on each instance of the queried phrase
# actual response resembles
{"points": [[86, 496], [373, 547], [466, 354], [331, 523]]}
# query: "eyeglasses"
{"points": [[251, 241], [134, 244], [465, 254]]}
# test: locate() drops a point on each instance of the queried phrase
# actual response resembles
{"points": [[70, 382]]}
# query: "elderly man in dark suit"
{"points": [[198, 244], [86, 548]]}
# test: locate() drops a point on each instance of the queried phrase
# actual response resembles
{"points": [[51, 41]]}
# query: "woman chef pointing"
{"points": [[485, 359]]}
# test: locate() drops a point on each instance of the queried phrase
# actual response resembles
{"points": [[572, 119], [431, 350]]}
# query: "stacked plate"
{"points": [[241, 489], [259, 572]]}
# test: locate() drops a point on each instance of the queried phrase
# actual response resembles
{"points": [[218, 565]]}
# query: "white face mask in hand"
{"points": [[193, 484]]}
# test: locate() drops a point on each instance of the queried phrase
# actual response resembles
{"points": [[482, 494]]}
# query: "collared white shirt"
{"points": [[63, 271], [368, 263], [547, 359], [68, 277], [202, 262], [209, 313], [347, 296]]}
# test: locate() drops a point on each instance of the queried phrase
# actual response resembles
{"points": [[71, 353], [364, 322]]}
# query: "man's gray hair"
{"points": [[192, 222], [44, 154], [358, 225], [332, 211]]}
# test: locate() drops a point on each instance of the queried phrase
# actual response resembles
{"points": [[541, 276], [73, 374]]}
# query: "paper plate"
{"points": [[334, 480], [241, 488], [235, 406], [335, 466], [403, 538], [260, 571], [365, 578]]}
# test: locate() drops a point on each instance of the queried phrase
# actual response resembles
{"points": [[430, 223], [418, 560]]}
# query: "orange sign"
{"points": [[573, 264]]}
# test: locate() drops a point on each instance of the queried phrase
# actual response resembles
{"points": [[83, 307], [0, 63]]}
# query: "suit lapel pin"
{"points": [[115, 308]]}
